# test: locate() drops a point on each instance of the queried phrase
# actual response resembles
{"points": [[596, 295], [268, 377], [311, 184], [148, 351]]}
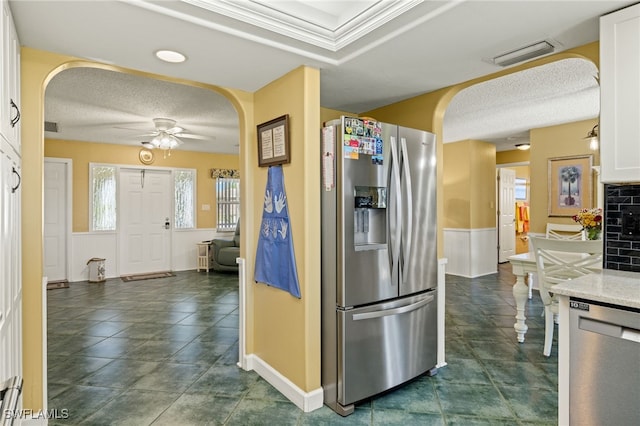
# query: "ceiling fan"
{"points": [[167, 135]]}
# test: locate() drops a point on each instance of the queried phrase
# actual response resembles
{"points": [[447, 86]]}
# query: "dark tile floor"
{"points": [[163, 352]]}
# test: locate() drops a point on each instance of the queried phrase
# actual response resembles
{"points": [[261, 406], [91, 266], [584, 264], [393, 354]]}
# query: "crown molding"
{"points": [[305, 27]]}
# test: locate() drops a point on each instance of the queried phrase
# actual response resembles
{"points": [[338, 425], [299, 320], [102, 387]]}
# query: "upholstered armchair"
{"points": [[224, 252]]}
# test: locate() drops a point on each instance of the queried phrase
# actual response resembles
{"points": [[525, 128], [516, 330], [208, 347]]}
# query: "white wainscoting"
{"points": [[87, 245], [471, 252]]}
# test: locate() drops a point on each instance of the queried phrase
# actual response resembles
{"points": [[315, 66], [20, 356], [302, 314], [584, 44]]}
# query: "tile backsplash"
{"points": [[622, 250]]}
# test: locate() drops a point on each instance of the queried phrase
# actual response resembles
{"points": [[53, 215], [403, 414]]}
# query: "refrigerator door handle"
{"points": [[394, 177], [408, 226], [394, 311]]}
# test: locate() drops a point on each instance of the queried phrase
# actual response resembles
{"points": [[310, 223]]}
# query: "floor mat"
{"points": [[52, 285], [137, 277]]}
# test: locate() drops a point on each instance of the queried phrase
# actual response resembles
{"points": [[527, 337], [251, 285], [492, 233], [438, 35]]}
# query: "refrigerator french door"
{"points": [[379, 258]]}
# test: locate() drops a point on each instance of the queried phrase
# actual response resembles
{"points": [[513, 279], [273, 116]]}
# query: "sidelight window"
{"points": [[185, 182], [103, 197]]}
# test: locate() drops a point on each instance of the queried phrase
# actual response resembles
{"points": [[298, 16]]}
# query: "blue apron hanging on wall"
{"points": [[275, 260]]}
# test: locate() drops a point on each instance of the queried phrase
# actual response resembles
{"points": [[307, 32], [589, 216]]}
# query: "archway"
{"points": [[501, 111], [38, 68]]}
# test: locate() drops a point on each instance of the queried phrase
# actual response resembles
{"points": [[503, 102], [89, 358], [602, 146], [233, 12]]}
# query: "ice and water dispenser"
{"points": [[370, 217]]}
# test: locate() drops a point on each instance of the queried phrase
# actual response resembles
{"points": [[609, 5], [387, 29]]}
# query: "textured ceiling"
{"points": [[96, 105], [495, 110]]}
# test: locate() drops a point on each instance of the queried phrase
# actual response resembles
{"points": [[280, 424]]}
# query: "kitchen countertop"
{"points": [[609, 286]]}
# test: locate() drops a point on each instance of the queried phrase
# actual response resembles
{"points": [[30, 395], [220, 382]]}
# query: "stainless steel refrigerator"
{"points": [[379, 259]]}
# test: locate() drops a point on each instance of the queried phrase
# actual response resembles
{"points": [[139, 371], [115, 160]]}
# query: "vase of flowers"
{"points": [[591, 221]]}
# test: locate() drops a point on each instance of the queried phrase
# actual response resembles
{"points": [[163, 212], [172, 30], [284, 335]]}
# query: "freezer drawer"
{"points": [[604, 353], [384, 345]]}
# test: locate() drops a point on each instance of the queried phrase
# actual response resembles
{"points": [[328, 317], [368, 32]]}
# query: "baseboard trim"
{"points": [[306, 401]]}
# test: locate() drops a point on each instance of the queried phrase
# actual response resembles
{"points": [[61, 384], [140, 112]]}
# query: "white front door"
{"points": [[56, 218], [506, 214], [145, 221]]}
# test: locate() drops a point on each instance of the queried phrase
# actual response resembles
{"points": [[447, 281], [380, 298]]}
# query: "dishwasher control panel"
{"points": [[574, 304]]}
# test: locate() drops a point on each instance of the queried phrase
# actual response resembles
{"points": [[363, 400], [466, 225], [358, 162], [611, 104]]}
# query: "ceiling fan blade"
{"points": [[192, 136], [137, 129], [175, 130]]}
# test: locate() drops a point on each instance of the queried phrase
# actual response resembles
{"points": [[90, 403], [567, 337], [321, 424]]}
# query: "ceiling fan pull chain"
{"points": [[142, 177]]}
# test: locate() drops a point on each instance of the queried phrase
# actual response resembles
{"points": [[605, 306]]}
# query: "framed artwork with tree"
{"points": [[570, 184]]}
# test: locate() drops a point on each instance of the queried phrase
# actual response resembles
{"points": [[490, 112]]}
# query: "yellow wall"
{"points": [[522, 172], [469, 185], [512, 156], [37, 69], [286, 330], [83, 153], [455, 185], [565, 140]]}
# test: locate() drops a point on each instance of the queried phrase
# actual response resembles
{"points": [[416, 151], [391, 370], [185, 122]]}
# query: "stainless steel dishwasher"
{"points": [[604, 381]]}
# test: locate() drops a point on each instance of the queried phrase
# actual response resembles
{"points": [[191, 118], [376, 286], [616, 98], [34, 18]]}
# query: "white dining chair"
{"points": [[557, 261], [560, 231]]}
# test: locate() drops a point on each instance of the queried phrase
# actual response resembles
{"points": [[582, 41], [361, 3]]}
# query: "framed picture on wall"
{"points": [[273, 142], [570, 184]]}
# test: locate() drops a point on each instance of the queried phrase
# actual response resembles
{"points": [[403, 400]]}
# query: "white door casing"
{"points": [[144, 242], [57, 218], [506, 214]]}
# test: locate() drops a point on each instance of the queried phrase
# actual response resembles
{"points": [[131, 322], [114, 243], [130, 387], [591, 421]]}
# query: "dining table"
{"points": [[521, 266]]}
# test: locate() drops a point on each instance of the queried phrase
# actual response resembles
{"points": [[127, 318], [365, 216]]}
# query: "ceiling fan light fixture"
{"points": [[165, 141], [523, 54], [170, 56], [523, 146]]}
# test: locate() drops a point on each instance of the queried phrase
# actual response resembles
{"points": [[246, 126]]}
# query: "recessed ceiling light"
{"points": [[171, 56]]}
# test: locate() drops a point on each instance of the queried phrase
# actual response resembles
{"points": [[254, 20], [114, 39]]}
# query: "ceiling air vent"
{"points": [[50, 126], [523, 54]]}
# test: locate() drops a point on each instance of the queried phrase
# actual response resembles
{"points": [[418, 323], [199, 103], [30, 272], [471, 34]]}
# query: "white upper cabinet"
{"points": [[10, 74], [620, 96]]}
